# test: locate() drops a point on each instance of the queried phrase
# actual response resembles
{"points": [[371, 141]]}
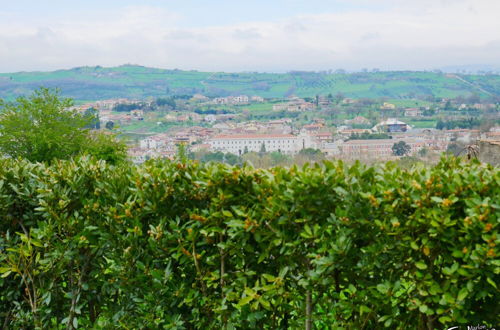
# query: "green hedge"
{"points": [[174, 245]]}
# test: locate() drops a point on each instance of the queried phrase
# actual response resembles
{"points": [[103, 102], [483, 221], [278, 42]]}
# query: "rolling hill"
{"points": [[132, 81]]}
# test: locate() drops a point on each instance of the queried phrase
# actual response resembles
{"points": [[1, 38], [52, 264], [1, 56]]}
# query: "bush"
{"points": [[173, 245]]}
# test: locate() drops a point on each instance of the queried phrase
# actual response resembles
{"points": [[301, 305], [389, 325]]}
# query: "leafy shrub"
{"points": [[181, 245]]}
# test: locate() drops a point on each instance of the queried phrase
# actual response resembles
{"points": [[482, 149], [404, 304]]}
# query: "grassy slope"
{"points": [[93, 83]]}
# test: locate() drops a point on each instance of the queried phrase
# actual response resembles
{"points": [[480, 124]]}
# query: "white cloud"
{"points": [[406, 34]]}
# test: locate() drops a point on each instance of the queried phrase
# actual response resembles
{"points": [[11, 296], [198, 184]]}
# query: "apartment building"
{"points": [[238, 144], [378, 148]]}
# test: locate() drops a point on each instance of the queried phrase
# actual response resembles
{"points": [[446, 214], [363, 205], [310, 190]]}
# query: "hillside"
{"points": [[94, 83]]}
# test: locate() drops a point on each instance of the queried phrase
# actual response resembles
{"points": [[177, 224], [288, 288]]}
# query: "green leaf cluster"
{"points": [[42, 127], [176, 245]]}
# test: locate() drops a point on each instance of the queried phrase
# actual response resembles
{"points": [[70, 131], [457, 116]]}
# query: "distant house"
{"points": [[331, 148], [220, 100], [349, 101], [210, 118], [413, 112], [153, 142], [323, 101], [242, 99], [312, 127], [200, 147], [462, 134], [137, 114], [493, 135], [348, 132], [294, 104], [387, 106], [300, 106], [257, 98], [324, 137], [280, 107]]}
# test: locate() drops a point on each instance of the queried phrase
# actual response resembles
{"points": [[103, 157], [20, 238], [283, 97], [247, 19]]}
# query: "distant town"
{"points": [[332, 126]]}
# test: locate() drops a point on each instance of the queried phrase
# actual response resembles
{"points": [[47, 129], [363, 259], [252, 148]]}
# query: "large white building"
{"points": [[377, 148], [239, 144]]}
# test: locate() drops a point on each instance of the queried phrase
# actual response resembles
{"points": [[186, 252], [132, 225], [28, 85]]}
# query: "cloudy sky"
{"points": [[256, 35]]}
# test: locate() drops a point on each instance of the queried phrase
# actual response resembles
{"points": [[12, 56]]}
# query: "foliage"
{"points": [[106, 147], [401, 148], [312, 154], [218, 157], [92, 115], [423, 152], [126, 107], [184, 245], [162, 101], [110, 124], [463, 123], [455, 148], [41, 128]]}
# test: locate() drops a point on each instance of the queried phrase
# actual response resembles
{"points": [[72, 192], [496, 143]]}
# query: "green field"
{"points": [[96, 83], [422, 123]]}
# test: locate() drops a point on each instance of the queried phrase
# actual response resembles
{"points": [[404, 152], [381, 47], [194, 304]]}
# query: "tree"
{"points": [[106, 147], [423, 152], [170, 102], [231, 159], [309, 155], [401, 148], [448, 106], [278, 159], [41, 128], [213, 157], [92, 115], [122, 107], [110, 125], [339, 97], [263, 148]]}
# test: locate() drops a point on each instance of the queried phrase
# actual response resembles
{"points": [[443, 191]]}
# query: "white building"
{"points": [[377, 148], [210, 118], [238, 144], [256, 98], [220, 100], [242, 99], [149, 143], [154, 142]]}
